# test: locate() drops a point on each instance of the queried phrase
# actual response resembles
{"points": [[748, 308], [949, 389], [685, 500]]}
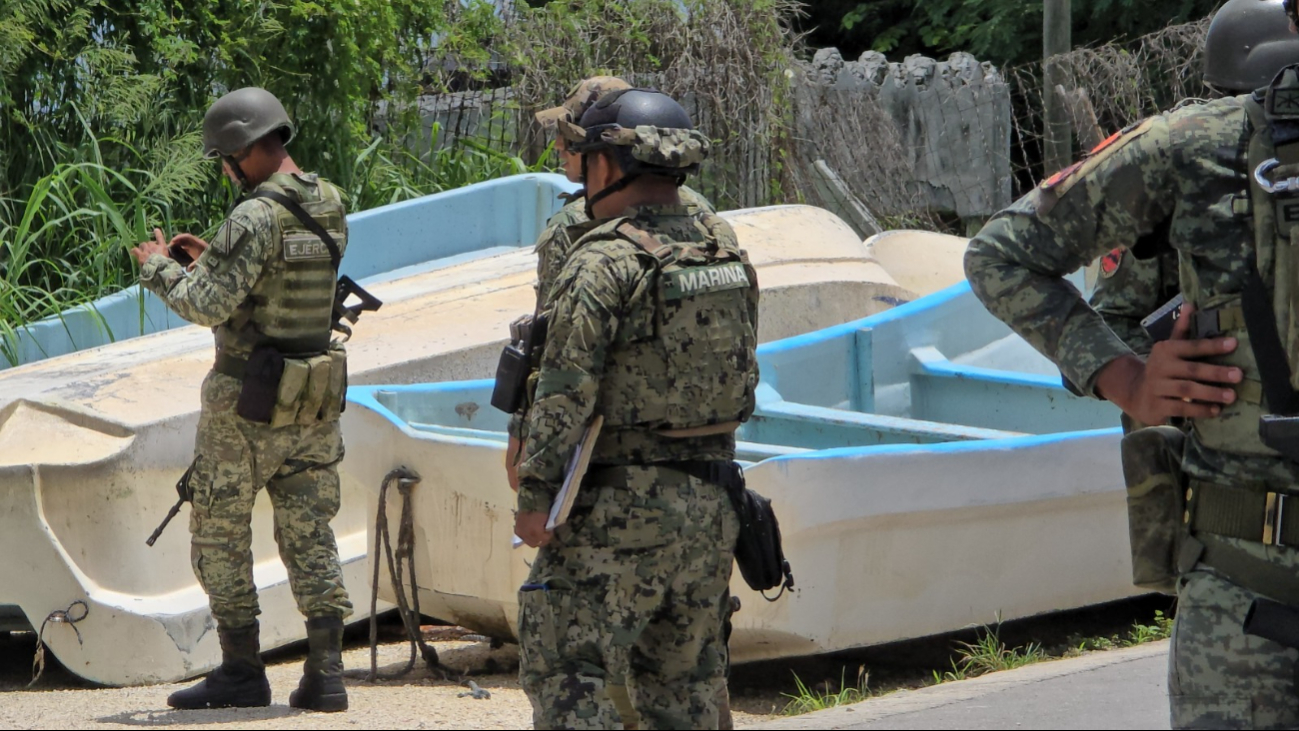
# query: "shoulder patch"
{"points": [[1062, 181], [232, 232], [1111, 262]]}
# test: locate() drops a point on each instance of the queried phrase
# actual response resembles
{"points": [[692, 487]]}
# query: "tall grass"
{"points": [[64, 241]]}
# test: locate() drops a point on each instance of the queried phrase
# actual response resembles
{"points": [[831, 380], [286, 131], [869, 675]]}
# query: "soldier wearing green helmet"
{"points": [[265, 284], [1219, 178], [650, 294]]}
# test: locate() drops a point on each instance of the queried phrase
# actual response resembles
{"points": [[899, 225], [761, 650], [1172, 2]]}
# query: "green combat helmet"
{"points": [[239, 119], [1248, 42], [648, 132]]}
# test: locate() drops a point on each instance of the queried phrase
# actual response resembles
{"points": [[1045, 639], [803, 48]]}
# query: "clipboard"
{"points": [[573, 475]]}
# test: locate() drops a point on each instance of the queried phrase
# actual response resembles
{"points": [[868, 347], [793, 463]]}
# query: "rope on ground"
{"points": [[58, 616], [400, 563]]}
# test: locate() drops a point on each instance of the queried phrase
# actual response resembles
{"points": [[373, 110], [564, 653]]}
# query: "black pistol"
{"points": [[185, 495]]}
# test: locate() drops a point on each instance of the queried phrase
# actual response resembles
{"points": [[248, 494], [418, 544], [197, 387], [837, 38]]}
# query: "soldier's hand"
{"points": [[193, 245], [531, 527], [1171, 382], [147, 249]]}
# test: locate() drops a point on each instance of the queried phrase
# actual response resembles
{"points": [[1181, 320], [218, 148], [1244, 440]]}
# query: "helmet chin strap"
{"points": [[233, 162], [608, 190]]}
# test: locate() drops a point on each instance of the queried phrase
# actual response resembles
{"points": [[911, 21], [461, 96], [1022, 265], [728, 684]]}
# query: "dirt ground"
{"points": [[419, 700]]}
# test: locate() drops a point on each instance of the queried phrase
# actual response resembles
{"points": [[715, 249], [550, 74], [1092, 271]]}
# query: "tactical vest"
{"points": [[291, 305], [689, 368]]}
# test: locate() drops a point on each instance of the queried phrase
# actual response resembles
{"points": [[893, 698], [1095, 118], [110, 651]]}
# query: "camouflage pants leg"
{"points": [[1219, 677], [235, 459], [633, 588]]}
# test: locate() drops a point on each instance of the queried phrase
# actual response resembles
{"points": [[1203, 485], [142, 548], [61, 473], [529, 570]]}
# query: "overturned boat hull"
{"points": [[92, 441], [928, 470]]}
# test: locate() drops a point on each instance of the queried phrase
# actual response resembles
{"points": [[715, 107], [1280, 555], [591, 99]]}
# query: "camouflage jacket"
{"points": [[556, 243], [1186, 167], [1129, 289], [605, 283], [225, 274]]}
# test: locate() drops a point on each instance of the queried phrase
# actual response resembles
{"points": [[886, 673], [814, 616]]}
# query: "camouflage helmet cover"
{"points": [[242, 117], [651, 132], [579, 99], [1249, 41]]}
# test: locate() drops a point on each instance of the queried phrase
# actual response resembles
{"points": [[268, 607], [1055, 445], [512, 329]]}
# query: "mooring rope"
{"points": [[58, 616], [399, 564]]}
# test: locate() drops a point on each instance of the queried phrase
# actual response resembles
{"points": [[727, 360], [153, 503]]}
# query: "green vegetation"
{"points": [[988, 654], [805, 700], [101, 103], [1160, 628]]}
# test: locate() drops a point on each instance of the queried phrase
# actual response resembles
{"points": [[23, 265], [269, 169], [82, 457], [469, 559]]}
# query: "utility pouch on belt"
{"points": [[308, 390], [261, 387], [1156, 491], [758, 551]]}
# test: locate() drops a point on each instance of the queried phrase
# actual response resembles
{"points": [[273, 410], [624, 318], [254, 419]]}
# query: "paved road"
{"points": [[1122, 689]]}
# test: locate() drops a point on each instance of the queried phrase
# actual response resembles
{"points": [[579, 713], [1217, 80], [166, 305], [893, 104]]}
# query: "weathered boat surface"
{"points": [[91, 442], [928, 469]]}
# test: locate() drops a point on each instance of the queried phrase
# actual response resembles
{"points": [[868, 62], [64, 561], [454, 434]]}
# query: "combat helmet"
{"points": [[1248, 42], [580, 98], [647, 131], [242, 117]]}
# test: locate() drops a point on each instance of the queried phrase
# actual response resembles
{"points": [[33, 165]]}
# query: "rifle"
{"points": [[186, 495]]}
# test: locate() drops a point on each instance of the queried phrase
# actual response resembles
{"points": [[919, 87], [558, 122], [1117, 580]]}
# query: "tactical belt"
{"points": [[1271, 518], [717, 471], [1242, 568], [234, 366]]}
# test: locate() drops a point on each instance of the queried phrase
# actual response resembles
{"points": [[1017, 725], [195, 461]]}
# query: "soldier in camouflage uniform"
{"points": [[1223, 541], [265, 284], [654, 319], [553, 248], [1247, 43], [555, 243]]}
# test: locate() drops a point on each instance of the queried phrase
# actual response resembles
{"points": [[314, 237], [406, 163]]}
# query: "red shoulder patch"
{"points": [[1108, 141], [1111, 262], [1059, 177]]}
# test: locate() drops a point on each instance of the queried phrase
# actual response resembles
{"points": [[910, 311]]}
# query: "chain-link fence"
{"points": [[920, 143]]}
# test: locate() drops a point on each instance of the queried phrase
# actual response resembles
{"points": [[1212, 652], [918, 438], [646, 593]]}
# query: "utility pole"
{"points": [[1057, 140]]}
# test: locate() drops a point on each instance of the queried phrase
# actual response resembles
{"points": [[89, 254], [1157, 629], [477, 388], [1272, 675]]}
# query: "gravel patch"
{"points": [[420, 700]]}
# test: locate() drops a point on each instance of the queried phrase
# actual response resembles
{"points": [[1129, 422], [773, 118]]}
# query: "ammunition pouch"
{"points": [[284, 390], [1156, 491]]}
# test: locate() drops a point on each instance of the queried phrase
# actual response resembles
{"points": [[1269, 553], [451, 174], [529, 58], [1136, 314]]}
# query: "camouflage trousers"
{"points": [[1219, 677], [633, 589], [298, 466]]}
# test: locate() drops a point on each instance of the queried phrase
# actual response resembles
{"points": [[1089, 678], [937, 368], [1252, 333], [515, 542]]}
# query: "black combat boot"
{"points": [[240, 682], [321, 688]]}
